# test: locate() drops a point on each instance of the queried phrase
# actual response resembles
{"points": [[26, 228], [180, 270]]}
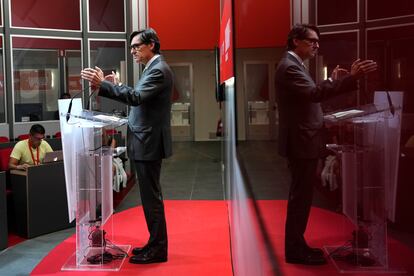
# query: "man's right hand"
{"points": [[362, 67], [338, 72]]}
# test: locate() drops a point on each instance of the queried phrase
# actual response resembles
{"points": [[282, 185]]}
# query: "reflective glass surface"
{"points": [[106, 16], [337, 49], [335, 12], [62, 14], [377, 9], [110, 57], [2, 94], [392, 49], [37, 76]]}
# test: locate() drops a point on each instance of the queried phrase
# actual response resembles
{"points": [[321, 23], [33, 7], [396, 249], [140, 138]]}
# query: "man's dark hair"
{"points": [[299, 31], [37, 129], [148, 36]]}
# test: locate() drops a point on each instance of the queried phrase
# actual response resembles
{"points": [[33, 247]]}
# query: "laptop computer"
{"points": [[53, 156]]}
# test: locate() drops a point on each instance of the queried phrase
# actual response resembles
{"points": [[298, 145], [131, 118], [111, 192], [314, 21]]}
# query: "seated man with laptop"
{"points": [[31, 151]]}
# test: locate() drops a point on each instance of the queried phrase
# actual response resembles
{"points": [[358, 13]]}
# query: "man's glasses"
{"points": [[313, 41], [136, 46]]}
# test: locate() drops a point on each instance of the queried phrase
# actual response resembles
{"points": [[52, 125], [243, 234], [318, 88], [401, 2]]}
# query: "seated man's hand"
{"points": [[23, 167]]}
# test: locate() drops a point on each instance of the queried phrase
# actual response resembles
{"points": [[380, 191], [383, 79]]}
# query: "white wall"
{"points": [[206, 109]]}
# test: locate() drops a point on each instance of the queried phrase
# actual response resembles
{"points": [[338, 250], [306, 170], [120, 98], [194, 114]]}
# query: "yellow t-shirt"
{"points": [[21, 152]]}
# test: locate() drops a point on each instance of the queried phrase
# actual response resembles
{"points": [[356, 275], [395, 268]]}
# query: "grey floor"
{"points": [[193, 172]]}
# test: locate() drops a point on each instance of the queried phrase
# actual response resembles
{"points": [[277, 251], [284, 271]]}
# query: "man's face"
{"points": [[141, 52], [36, 139], [308, 47]]}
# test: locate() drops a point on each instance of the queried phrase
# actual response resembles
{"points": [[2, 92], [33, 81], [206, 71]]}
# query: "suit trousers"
{"points": [[148, 173], [303, 173]]}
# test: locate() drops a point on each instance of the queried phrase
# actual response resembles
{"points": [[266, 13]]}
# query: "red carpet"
{"points": [[198, 242], [324, 228]]}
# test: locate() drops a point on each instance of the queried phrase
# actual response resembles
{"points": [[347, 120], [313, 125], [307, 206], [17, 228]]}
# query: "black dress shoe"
{"points": [[315, 251], [148, 257], [140, 250], [307, 259]]}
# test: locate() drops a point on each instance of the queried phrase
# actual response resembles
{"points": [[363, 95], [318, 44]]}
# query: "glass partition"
{"points": [[336, 12], [2, 94], [345, 43], [72, 69], [106, 16], [181, 109], [110, 56], [391, 48], [261, 119], [38, 76], [381, 9], [62, 14], [253, 170], [1, 13], [258, 179]]}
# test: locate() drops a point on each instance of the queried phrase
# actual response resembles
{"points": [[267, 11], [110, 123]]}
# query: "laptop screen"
{"points": [[53, 156]]}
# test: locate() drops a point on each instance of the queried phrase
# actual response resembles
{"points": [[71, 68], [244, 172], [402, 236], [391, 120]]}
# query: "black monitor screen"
{"points": [[26, 112]]}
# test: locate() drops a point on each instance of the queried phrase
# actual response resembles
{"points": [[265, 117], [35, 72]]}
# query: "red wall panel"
{"points": [[54, 14], [261, 23], [185, 24]]}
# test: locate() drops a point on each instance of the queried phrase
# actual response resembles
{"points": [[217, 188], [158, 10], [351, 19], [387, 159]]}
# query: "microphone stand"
{"points": [[90, 96], [392, 108], [77, 94]]}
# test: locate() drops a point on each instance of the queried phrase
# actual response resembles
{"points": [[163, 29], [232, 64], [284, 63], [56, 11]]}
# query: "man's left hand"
{"points": [[94, 76]]}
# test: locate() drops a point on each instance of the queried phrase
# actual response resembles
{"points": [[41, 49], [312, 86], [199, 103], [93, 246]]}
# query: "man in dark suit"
{"points": [[300, 130], [149, 133]]}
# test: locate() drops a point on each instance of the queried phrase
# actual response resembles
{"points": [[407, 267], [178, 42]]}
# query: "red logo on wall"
{"points": [[226, 43], [33, 80]]}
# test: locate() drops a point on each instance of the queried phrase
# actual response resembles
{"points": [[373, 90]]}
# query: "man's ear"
{"points": [[152, 45], [296, 42]]}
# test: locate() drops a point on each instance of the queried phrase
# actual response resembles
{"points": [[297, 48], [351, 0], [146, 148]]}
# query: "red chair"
{"points": [[22, 137], [58, 134], [4, 158], [4, 139]]}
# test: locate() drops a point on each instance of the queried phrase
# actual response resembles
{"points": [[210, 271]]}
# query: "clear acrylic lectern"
{"points": [[88, 175], [363, 144]]}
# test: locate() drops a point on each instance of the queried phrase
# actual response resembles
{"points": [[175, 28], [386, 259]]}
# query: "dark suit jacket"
{"points": [[300, 112], [149, 133]]}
